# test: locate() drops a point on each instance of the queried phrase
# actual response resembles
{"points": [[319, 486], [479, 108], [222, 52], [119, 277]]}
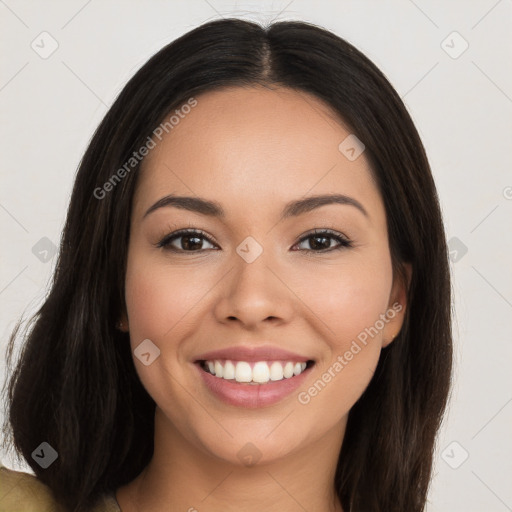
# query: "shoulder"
{"points": [[23, 492]]}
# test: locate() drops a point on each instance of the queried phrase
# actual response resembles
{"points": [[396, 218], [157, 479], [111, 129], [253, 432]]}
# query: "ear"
{"points": [[397, 306]]}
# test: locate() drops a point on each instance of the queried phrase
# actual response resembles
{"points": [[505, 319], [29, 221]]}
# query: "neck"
{"points": [[182, 476]]}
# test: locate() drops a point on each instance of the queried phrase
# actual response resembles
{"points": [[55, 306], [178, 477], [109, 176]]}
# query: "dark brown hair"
{"points": [[74, 384]]}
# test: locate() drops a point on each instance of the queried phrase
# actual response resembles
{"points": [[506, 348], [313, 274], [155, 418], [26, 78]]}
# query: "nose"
{"points": [[253, 294]]}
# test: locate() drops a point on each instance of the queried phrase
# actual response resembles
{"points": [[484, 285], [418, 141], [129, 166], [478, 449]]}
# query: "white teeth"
{"points": [[276, 371], [219, 370], [288, 370], [261, 372], [243, 372], [229, 370]]}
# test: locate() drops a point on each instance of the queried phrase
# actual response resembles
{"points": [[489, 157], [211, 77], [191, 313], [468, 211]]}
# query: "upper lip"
{"points": [[254, 354]]}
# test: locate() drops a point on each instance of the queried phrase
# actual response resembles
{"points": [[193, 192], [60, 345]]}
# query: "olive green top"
{"points": [[23, 492]]}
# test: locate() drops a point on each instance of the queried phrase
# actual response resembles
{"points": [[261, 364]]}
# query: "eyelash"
{"points": [[344, 243]]}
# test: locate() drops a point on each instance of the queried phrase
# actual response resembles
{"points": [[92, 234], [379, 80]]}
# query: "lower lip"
{"points": [[251, 396]]}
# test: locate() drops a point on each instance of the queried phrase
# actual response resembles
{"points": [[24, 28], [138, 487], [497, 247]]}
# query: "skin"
{"points": [[253, 150]]}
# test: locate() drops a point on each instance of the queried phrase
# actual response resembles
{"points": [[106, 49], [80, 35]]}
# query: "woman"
{"points": [[301, 358]]}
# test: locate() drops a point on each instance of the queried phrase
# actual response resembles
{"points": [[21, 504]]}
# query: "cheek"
{"points": [[151, 305], [349, 304], [347, 299], [160, 302], [159, 299]]}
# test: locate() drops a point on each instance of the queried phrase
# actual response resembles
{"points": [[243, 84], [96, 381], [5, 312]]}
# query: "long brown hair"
{"points": [[75, 385]]}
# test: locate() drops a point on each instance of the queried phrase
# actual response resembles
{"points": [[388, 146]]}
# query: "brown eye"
{"points": [[320, 241], [191, 241]]}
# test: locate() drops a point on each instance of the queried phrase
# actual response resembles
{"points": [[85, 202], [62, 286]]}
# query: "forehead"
{"points": [[249, 146]]}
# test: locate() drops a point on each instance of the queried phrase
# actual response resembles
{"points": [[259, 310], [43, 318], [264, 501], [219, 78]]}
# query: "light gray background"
{"points": [[462, 107]]}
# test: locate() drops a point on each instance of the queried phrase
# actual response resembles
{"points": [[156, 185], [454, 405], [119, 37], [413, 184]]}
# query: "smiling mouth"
{"points": [[254, 373]]}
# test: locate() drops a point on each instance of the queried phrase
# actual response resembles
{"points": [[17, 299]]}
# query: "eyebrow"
{"points": [[291, 209]]}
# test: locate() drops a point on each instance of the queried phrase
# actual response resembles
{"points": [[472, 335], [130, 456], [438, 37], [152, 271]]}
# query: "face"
{"points": [[257, 276]]}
